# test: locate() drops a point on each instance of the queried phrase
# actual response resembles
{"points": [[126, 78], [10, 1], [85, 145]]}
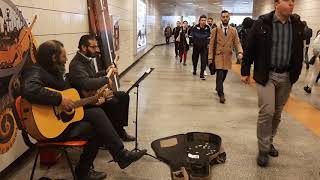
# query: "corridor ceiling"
{"points": [[188, 7]]}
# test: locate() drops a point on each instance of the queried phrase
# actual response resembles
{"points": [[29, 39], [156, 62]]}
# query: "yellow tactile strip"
{"points": [[300, 110]]}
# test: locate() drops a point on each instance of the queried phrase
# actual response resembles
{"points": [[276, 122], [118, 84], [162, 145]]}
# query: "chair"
{"points": [[61, 145]]}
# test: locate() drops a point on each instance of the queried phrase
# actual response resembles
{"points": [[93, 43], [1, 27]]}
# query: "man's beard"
{"points": [[210, 24], [58, 69], [91, 55], [225, 24]]}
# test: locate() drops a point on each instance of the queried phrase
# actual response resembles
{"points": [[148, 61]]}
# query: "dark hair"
{"points": [[210, 18], [247, 23], [185, 21], [84, 40], [45, 52], [305, 23], [202, 16], [224, 11]]}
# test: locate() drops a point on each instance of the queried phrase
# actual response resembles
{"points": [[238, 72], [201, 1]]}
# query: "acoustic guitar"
{"points": [[45, 122]]}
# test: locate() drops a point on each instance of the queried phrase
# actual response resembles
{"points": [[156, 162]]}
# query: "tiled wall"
{"points": [[127, 11], [63, 20], [307, 9]]}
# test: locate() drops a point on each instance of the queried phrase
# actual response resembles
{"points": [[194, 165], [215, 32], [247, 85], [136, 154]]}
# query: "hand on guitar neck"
{"points": [[113, 69], [105, 93], [102, 94]]}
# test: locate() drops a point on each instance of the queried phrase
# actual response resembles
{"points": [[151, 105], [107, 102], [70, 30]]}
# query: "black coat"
{"points": [[258, 50], [34, 81], [175, 32], [201, 36], [183, 45], [83, 76]]}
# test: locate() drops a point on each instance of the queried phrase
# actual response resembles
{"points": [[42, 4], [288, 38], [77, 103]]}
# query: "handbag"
{"points": [[212, 66], [187, 39]]}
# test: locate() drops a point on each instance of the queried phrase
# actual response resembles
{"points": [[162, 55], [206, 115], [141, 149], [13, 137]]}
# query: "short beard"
{"points": [[225, 24], [89, 55], [58, 69]]}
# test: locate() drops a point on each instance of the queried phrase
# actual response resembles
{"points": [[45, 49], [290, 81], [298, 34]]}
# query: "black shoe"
{"points": [[307, 89], [180, 60], [202, 77], [127, 138], [128, 157], [222, 99], [263, 159], [184, 63], [194, 73], [92, 175], [273, 151]]}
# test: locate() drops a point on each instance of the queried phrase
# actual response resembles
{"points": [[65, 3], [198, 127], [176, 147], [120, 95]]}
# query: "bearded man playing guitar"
{"points": [[95, 127], [86, 73]]}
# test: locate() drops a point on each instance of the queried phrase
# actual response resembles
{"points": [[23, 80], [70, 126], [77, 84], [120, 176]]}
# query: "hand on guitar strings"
{"points": [[66, 104]]}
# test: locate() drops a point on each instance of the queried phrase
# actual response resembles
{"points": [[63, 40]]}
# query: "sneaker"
{"points": [[202, 77], [307, 89], [263, 159], [205, 73], [222, 99], [273, 151]]}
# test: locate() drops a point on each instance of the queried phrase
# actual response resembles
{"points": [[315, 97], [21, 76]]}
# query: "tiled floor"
{"points": [[174, 101]]}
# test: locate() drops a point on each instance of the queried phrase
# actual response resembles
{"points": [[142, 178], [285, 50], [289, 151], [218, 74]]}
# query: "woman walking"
{"points": [[183, 40]]}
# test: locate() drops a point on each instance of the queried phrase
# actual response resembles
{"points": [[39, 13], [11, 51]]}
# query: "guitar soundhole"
{"points": [[64, 116], [67, 116]]}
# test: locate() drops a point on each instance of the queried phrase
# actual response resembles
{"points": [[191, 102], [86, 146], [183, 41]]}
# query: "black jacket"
{"points": [[34, 81], [175, 32], [258, 50], [201, 36], [183, 45], [83, 76]]}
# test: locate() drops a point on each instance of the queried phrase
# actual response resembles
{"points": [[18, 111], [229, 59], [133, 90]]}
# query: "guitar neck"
{"points": [[86, 101]]}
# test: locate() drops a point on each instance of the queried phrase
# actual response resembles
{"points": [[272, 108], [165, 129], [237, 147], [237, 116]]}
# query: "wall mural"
{"points": [[17, 46]]}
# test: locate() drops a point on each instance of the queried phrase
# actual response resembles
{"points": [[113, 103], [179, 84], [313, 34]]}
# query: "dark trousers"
{"points": [[97, 129], [167, 40], [203, 52], [117, 110], [221, 77], [176, 48]]}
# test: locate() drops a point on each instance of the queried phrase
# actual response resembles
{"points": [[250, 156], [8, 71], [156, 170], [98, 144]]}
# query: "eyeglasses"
{"points": [[95, 47]]}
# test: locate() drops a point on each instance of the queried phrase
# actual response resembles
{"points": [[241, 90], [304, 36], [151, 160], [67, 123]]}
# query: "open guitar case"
{"points": [[190, 156]]}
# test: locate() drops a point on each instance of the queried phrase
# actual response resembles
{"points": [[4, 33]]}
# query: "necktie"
{"points": [[225, 31]]}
